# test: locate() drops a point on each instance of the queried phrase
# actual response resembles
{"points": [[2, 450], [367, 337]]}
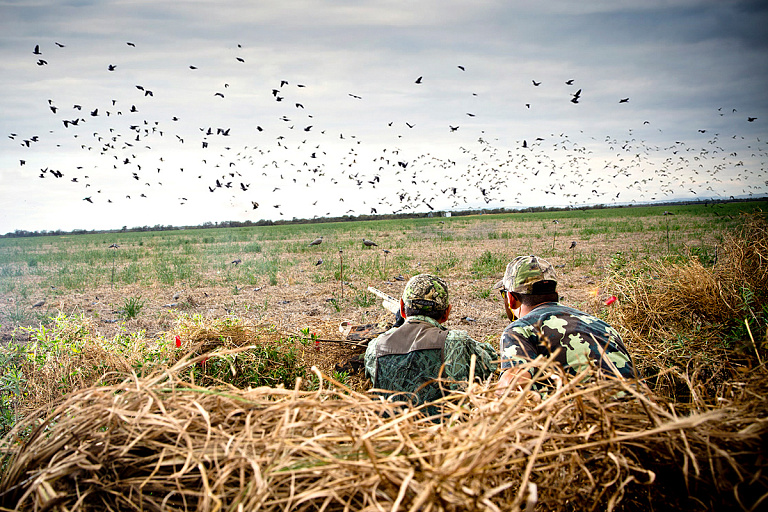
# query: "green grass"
{"points": [[489, 264]]}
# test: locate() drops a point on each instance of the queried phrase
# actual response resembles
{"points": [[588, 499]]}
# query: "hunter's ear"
{"points": [[402, 309]]}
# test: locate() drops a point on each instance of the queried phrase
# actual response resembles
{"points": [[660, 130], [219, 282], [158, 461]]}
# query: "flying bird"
{"points": [[576, 96], [624, 100], [535, 83], [418, 80]]}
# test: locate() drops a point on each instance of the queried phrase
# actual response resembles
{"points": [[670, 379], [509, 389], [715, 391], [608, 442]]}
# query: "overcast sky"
{"points": [[146, 112]]}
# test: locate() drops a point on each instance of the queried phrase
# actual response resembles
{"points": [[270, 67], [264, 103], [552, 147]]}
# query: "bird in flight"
{"points": [[535, 83], [576, 96], [418, 80], [37, 50], [624, 100]]}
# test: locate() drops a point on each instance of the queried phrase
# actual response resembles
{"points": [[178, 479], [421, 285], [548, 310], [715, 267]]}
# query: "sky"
{"points": [[133, 113]]}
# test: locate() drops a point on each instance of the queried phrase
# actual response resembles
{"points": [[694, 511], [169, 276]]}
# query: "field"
{"points": [[225, 288], [191, 271]]}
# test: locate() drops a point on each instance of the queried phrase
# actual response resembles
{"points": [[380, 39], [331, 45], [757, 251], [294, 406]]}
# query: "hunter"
{"points": [[406, 361], [541, 325]]}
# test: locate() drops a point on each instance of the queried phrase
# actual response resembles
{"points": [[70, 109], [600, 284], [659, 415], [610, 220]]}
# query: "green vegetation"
{"points": [[132, 306]]}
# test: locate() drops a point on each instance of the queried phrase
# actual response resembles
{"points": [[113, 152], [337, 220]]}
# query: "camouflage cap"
{"points": [[427, 293], [524, 272]]}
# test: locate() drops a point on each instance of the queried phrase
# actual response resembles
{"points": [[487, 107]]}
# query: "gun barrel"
{"points": [[390, 303], [382, 294]]}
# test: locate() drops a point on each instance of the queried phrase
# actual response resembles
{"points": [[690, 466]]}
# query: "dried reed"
{"points": [[684, 321], [160, 443]]}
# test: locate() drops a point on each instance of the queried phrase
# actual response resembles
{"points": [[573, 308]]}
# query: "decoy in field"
{"points": [[236, 261], [316, 241], [573, 244], [369, 243]]}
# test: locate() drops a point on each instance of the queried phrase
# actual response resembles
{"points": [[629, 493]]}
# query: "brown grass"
{"points": [[160, 444], [687, 321]]}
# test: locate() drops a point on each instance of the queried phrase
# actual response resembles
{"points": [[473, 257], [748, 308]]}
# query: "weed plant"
{"points": [[132, 306]]}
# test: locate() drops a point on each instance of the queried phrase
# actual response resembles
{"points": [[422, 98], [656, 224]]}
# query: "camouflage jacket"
{"points": [[550, 326], [406, 358]]}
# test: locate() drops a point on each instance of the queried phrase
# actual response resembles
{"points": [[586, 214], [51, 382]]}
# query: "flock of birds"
{"points": [[301, 150]]}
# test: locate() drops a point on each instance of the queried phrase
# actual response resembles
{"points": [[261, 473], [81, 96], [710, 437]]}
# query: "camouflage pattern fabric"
{"points": [[582, 339], [426, 293], [405, 374], [523, 272]]}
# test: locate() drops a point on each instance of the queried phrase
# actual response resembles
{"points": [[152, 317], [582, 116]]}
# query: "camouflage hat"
{"points": [[524, 272], [427, 293]]}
